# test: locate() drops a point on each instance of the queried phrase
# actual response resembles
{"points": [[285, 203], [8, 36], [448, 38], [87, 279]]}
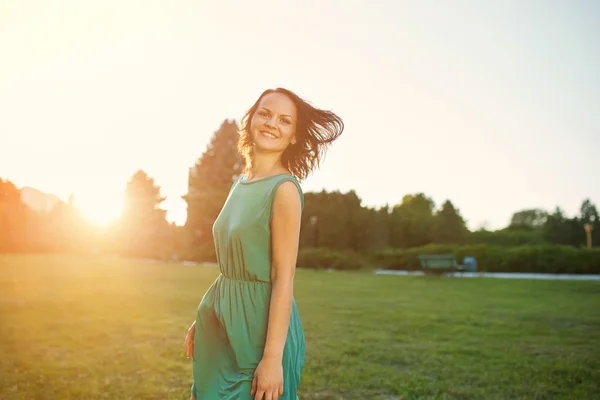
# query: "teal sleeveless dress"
{"points": [[232, 318]]}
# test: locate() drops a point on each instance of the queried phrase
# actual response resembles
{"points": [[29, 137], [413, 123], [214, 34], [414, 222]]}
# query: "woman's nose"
{"points": [[270, 122]]}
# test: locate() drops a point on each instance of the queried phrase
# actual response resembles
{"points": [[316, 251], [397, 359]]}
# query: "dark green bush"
{"points": [[323, 258], [538, 259], [407, 259], [507, 237]]}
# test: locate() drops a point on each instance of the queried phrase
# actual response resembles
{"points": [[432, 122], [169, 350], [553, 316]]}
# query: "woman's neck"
{"points": [[265, 165]]}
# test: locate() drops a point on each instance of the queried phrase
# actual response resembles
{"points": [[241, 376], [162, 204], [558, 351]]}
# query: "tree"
{"points": [[143, 224], [589, 216], [589, 213], [412, 221], [559, 229], [14, 218], [209, 182], [335, 220], [528, 219], [554, 227], [142, 197], [377, 223], [448, 226]]}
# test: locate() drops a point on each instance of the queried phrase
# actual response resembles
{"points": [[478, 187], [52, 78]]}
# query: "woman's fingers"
{"points": [[189, 346], [262, 394], [253, 385], [264, 391]]}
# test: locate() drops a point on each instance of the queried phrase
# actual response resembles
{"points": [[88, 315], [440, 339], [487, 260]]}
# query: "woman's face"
{"points": [[273, 125]]}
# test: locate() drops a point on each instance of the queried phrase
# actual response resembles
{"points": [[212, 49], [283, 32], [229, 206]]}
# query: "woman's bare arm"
{"points": [[285, 233]]}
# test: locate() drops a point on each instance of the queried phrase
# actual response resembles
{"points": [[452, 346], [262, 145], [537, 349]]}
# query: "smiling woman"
{"points": [[298, 132], [247, 341]]}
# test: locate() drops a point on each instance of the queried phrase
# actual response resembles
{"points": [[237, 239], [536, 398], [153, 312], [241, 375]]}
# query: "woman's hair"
{"points": [[315, 130]]}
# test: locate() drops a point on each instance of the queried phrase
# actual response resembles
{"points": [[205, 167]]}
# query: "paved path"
{"points": [[502, 275]]}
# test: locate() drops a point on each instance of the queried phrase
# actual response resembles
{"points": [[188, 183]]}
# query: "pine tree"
{"points": [[143, 224], [209, 182], [412, 221], [13, 218], [142, 197], [448, 226]]}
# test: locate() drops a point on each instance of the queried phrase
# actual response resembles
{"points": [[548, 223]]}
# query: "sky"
{"points": [[493, 105]]}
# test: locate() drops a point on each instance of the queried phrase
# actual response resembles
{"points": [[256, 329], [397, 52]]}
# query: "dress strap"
{"points": [[285, 178]]}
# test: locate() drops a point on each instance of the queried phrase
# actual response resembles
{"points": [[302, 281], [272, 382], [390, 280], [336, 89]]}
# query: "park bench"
{"points": [[440, 263]]}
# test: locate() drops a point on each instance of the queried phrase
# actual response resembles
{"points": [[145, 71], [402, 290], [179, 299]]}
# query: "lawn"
{"points": [[97, 328]]}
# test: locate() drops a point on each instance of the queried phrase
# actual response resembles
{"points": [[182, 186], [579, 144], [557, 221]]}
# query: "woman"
{"points": [[247, 341]]}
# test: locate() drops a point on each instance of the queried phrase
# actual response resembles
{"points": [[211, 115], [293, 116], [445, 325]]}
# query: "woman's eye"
{"points": [[262, 113], [286, 121]]}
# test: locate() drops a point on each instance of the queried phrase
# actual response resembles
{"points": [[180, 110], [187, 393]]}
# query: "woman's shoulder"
{"points": [[289, 180], [287, 189]]}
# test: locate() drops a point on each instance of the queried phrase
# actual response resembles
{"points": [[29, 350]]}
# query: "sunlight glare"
{"points": [[176, 209], [101, 209]]}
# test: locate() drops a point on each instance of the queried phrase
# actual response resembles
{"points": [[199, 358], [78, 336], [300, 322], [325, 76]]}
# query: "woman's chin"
{"points": [[267, 147], [264, 150]]}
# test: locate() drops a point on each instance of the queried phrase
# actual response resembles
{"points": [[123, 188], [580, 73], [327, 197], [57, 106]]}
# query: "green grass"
{"points": [[86, 328]]}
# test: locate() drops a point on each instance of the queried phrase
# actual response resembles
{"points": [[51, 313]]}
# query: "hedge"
{"points": [[536, 259], [323, 258]]}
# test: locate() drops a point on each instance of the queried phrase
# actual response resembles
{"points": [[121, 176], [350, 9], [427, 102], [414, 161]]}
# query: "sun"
{"points": [[105, 210], [100, 210]]}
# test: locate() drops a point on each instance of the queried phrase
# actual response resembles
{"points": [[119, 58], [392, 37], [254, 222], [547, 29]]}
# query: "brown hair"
{"points": [[315, 130]]}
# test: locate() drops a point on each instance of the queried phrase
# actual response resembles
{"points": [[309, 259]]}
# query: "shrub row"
{"points": [[323, 258], [507, 237], [554, 259]]}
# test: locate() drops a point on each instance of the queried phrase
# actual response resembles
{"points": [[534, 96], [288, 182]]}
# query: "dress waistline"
{"points": [[242, 280]]}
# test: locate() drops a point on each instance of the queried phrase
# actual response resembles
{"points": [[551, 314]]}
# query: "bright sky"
{"points": [[494, 105]]}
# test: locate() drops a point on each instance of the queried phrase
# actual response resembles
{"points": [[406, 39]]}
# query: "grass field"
{"points": [[86, 328]]}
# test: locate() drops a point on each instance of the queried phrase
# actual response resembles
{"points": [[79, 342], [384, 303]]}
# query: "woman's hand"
{"points": [[189, 341], [268, 379]]}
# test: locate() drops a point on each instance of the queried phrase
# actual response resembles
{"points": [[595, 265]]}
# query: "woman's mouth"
{"points": [[269, 135]]}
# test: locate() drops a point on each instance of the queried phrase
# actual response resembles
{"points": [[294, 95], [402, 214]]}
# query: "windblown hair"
{"points": [[315, 130]]}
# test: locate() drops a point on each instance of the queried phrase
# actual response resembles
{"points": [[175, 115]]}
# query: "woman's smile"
{"points": [[268, 135]]}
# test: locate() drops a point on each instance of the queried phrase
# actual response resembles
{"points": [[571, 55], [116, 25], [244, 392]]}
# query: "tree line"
{"points": [[331, 220]]}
